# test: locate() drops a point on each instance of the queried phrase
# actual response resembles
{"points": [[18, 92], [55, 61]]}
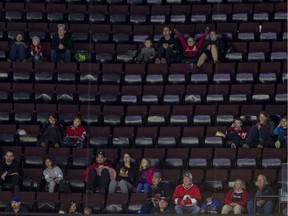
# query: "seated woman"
{"points": [[52, 174], [125, 175], [75, 134], [260, 133], [236, 199], [69, 207], [51, 133]]}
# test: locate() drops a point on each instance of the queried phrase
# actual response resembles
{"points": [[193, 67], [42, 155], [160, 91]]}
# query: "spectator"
{"points": [[87, 211], [52, 174], [18, 49], [156, 190], [61, 45], [75, 133], [261, 132], [145, 175], [210, 205], [186, 196], [190, 47], [212, 49], [281, 133], [263, 205], [125, 175], [69, 207], [36, 49], [236, 199], [10, 171], [50, 133], [163, 207], [147, 53], [168, 48], [236, 132], [99, 174], [16, 206]]}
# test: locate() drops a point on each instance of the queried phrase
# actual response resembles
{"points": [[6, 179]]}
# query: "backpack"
{"points": [[64, 186]]}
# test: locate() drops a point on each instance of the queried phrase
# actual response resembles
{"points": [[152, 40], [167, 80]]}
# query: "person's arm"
{"points": [[200, 42], [132, 173], [227, 199], [67, 42], [271, 128], [15, 168], [59, 172], [55, 42], [181, 39], [40, 51], [47, 176], [177, 198]]}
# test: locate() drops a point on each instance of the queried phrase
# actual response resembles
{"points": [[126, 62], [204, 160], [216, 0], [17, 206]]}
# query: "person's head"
{"points": [[127, 157], [187, 179], [163, 203], [19, 37], [156, 178], [261, 181], [9, 157], [76, 121], [100, 158], [283, 121], [15, 203], [167, 31], [208, 196], [49, 163], [69, 207], [87, 211], [35, 40], [238, 122], [213, 35], [148, 42], [239, 185], [144, 164], [61, 30], [263, 117], [191, 41], [52, 120]]}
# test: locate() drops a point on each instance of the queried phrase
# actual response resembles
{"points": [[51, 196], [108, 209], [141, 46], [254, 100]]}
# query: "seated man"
{"points": [[10, 171], [263, 205], [99, 174], [61, 45], [16, 206]]}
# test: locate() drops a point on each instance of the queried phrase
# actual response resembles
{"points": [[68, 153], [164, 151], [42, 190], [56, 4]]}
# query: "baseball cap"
{"points": [[101, 153], [157, 175], [164, 198], [188, 174], [15, 199]]}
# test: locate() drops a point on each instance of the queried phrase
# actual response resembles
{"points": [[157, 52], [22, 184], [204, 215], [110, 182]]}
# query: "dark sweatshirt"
{"points": [[66, 41]]}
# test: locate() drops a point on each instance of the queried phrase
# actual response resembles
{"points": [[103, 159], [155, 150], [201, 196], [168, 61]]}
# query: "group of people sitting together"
{"points": [[101, 177], [169, 49]]}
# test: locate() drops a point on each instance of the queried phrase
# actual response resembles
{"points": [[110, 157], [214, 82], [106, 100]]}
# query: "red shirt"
{"points": [[191, 51], [186, 194], [241, 202], [32, 48], [95, 166], [240, 131], [72, 131]]}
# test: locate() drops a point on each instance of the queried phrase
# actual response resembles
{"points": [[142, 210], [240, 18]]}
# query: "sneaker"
{"points": [[56, 145], [16, 188], [277, 144], [43, 144], [233, 145], [259, 146], [163, 61], [245, 146], [157, 61], [89, 192]]}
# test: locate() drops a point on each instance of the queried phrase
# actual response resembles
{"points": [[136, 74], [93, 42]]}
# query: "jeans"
{"points": [[64, 56], [51, 186], [11, 179], [17, 51], [140, 186], [190, 210], [97, 181], [167, 53], [267, 208], [233, 135], [124, 185], [255, 135]]}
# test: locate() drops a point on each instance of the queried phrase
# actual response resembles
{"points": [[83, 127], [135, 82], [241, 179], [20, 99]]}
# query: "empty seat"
{"points": [[60, 156], [200, 158], [155, 155], [168, 137], [81, 158], [226, 114], [22, 71], [179, 13], [158, 115], [87, 94], [273, 158], [47, 202], [121, 33], [237, 52], [246, 72], [104, 52], [173, 94], [249, 113], [204, 115], [94, 201], [136, 201], [136, 115], [79, 32], [269, 72], [242, 13], [100, 32], [67, 113], [14, 11], [44, 71], [263, 93], [221, 12], [180, 115], [156, 73], [7, 135], [99, 136], [216, 179], [270, 30], [118, 13], [89, 72], [211, 140], [263, 11], [131, 94], [240, 93], [159, 13], [200, 13], [113, 115], [109, 94], [23, 113], [152, 94], [34, 157], [176, 158], [278, 51], [55, 12], [224, 73], [65, 94], [224, 158], [134, 74], [258, 51], [34, 11], [146, 136], [76, 12], [247, 31], [217, 93], [111, 73], [116, 203], [97, 13], [248, 158], [122, 136], [195, 94], [192, 136]]}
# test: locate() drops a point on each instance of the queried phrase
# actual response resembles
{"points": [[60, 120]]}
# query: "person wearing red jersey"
{"points": [[190, 47], [236, 132], [99, 174], [75, 133], [186, 196], [36, 49]]}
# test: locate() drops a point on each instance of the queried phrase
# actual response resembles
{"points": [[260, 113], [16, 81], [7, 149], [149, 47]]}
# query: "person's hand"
{"points": [[243, 135], [259, 203], [61, 46], [206, 31], [209, 47], [99, 171], [4, 175], [258, 125], [176, 31], [57, 180], [165, 45], [232, 204], [233, 125]]}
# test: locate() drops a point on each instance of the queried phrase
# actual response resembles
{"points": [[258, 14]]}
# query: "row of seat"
{"points": [[172, 158]]}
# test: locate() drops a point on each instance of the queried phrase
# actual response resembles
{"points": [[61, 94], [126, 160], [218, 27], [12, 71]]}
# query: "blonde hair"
{"points": [[242, 183], [148, 164]]}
